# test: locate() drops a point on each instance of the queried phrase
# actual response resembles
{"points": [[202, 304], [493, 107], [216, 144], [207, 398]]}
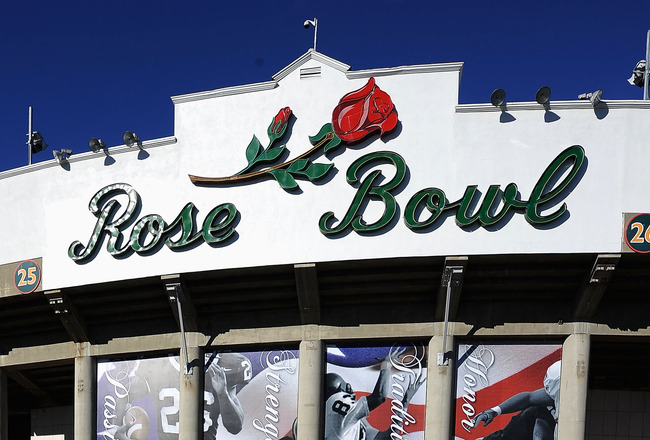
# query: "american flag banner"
{"points": [[488, 375]]}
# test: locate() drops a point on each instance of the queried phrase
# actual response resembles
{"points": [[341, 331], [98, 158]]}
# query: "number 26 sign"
{"points": [[637, 233], [27, 276]]}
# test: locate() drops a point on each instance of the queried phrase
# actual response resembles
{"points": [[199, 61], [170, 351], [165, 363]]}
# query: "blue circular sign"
{"points": [[637, 233], [27, 276]]}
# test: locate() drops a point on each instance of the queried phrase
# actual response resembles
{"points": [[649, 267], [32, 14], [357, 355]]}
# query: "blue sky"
{"points": [[98, 68]]}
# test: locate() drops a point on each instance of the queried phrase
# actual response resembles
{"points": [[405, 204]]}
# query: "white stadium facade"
{"points": [[335, 223]]}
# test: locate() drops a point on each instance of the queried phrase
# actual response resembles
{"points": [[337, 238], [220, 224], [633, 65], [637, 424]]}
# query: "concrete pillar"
{"points": [[440, 380], [191, 396], [4, 433], [84, 378], [310, 399], [573, 391]]}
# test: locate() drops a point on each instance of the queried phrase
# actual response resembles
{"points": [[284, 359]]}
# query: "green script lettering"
{"points": [[150, 230], [545, 194], [368, 191], [494, 207]]}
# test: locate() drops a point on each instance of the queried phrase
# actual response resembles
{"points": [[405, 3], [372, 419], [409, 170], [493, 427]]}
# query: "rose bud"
{"points": [[279, 124]]}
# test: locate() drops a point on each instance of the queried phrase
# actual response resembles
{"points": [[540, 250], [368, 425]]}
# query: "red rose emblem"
{"points": [[362, 112], [279, 124]]}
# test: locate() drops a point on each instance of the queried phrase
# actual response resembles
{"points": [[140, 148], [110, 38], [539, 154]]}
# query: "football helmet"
{"points": [[335, 383], [236, 366]]}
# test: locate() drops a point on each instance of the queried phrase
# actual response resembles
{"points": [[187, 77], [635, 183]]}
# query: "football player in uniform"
{"points": [[157, 391], [225, 373], [152, 401], [539, 411], [345, 416]]}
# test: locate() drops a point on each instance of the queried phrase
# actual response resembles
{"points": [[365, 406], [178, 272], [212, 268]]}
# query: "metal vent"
{"points": [[310, 72]]}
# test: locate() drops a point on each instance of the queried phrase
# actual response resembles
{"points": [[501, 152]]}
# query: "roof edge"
{"points": [[554, 105], [311, 54], [89, 155], [405, 70], [227, 91]]}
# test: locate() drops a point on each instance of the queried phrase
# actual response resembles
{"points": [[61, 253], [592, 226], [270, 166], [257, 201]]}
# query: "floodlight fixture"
{"points": [[130, 139], [543, 96], [638, 74], [498, 98], [96, 145], [62, 156], [314, 23], [36, 142], [594, 97]]}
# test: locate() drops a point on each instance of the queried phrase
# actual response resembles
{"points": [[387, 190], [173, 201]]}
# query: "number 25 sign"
{"points": [[637, 233], [27, 276]]}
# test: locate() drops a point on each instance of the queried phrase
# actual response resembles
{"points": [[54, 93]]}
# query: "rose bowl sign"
{"points": [[359, 115]]}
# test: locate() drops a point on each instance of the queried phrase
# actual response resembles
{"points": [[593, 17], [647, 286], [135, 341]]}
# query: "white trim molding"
{"points": [[405, 70], [112, 151], [553, 105]]}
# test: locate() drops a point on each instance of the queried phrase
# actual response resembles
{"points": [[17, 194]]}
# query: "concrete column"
{"points": [[191, 396], [310, 379], [84, 378], [4, 409], [440, 380], [573, 391]]}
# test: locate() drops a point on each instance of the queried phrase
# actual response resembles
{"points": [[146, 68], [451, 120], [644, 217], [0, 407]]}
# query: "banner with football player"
{"points": [[250, 395], [138, 399], [374, 393], [507, 391]]}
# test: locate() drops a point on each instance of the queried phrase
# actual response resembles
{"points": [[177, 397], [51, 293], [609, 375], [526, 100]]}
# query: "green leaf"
{"points": [[327, 128], [285, 179], [332, 144], [298, 165], [253, 150], [271, 154], [318, 171]]}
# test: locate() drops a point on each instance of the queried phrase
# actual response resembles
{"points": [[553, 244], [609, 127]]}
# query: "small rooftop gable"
{"points": [[311, 54]]}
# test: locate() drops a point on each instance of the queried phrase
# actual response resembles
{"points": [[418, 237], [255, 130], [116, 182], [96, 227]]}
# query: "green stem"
{"points": [[242, 177]]}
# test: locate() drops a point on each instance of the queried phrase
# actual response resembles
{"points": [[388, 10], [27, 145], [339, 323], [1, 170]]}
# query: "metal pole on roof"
{"points": [[647, 64], [314, 23], [29, 138]]}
